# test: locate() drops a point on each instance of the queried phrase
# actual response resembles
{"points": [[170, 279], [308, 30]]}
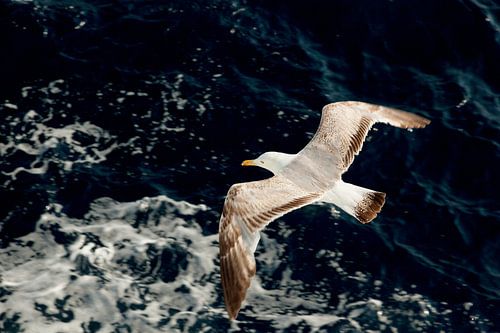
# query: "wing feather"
{"points": [[248, 208], [345, 125]]}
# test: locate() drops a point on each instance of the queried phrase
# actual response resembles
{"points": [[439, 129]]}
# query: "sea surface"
{"points": [[124, 123]]}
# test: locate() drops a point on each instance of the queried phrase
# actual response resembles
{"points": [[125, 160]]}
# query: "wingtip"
{"points": [[419, 125], [232, 316], [232, 312], [414, 121], [423, 122]]}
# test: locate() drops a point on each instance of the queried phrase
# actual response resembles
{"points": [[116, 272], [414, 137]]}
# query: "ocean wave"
{"points": [[148, 266], [110, 270]]}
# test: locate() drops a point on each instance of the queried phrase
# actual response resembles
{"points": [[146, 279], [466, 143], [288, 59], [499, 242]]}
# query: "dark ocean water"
{"points": [[123, 124]]}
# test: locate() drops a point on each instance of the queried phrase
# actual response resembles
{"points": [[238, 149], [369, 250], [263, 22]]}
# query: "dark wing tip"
{"points": [[419, 122], [233, 312], [405, 119]]}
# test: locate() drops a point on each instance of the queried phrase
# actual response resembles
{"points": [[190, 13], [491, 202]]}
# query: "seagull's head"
{"points": [[271, 160]]}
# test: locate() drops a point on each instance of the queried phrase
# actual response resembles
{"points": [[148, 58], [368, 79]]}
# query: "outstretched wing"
{"points": [[344, 126], [248, 208]]}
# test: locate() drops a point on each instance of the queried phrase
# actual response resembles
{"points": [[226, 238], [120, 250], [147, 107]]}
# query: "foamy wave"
{"points": [[149, 266], [139, 264], [65, 146]]}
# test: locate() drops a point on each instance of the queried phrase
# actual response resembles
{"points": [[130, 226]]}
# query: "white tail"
{"points": [[362, 203]]}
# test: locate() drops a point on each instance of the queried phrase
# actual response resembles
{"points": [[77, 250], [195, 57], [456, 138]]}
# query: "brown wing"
{"points": [[248, 208], [344, 126]]}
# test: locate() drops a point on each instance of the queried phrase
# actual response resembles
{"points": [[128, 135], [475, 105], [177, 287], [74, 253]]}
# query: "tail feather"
{"points": [[368, 208], [362, 203]]}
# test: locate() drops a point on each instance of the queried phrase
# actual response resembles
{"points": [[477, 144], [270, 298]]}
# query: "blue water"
{"points": [[123, 124]]}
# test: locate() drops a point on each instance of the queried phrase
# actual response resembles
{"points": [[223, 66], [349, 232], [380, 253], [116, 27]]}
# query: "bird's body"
{"points": [[313, 174]]}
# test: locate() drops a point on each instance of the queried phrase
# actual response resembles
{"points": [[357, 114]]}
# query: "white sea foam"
{"points": [[59, 145], [59, 287], [148, 266]]}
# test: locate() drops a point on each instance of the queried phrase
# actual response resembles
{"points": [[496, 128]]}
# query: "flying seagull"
{"points": [[313, 174]]}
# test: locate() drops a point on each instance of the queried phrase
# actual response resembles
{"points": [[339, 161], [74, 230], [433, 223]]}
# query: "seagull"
{"points": [[312, 175]]}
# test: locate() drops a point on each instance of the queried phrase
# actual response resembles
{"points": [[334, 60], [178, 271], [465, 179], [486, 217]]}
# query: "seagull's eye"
{"points": [[261, 162]]}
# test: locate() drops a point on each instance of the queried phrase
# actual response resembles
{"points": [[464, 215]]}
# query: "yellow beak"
{"points": [[247, 163]]}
